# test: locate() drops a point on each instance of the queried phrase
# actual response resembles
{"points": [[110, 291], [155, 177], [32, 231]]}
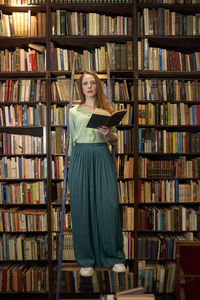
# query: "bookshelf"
{"points": [[155, 63]]}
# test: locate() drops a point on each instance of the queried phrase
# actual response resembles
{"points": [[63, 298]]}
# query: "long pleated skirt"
{"points": [[96, 222]]}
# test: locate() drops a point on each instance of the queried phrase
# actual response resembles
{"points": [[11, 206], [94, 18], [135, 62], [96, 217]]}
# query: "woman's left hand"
{"points": [[104, 130]]}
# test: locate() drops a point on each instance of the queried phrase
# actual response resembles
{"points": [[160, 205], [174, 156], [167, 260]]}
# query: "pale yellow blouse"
{"points": [[79, 133]]}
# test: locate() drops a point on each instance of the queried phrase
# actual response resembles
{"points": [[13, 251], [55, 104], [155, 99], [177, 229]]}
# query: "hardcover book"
{"points": [[103, 118]]}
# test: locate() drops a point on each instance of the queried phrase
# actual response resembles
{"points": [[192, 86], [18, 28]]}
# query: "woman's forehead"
{"points": [[88, 77]]}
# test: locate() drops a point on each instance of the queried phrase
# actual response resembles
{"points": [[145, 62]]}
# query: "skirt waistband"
{"points": [[91, 145]]}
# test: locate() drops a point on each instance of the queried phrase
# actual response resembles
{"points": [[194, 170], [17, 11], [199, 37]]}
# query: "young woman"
{"points": [[96, 224]]}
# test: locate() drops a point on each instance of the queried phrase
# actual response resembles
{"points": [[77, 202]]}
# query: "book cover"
{"points": [[103, 118]]}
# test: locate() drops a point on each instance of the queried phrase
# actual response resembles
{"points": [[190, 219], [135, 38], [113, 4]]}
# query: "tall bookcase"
{"points": [[154, 55]]}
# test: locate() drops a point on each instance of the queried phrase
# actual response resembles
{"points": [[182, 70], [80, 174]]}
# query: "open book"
{"points": [[101, 117]]}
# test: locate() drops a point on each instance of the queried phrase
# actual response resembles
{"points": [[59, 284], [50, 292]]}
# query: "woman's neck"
{"points": [[89, 104]]}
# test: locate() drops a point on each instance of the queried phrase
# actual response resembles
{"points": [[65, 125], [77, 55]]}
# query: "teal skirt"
{"points": [[96, 222]]}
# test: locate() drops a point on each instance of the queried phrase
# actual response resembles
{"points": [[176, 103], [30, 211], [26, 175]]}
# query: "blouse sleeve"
{"points": [[71, 133]]}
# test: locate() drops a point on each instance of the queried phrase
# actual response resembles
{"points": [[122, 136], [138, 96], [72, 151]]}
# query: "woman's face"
{"points": [[89, 86]]}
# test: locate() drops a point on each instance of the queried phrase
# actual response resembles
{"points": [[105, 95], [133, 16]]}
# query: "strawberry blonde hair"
{"points": [[101, 100]]}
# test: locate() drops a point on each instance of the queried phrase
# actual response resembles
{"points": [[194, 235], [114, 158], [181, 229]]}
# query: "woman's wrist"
{"points": [[111, 137]]}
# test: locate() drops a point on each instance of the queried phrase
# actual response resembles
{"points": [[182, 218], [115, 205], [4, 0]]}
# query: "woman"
{"points": [[96, 223]]}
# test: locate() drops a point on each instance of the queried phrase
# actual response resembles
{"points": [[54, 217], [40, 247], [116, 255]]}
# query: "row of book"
{"points": [[57, 193], [22, 90], [169, 89], [102, 2], [21, 144], [170, 1], [35, 2], [22, 60], [161, 246], [126, 191], [125, 141], [23, 278], [22, 24], [21, 247], [102, 281], [23, 168], [180, 167], [175, 218], [23, 193], [127, 218], [160, 59], [59, 115], [127, 224], [58, 140], [168, 114], [162, 21], [157, 278], [128, 245], [61, 89], [68, 247], [19, 90], [64, 22], [121, 58], [124, 166], [22, 2], [57, 167], [168, 191], [120, 91], [27, 220], [152, 140], [149, 89], [23, 115], [56, 220]]}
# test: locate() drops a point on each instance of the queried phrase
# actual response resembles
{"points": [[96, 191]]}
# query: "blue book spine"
{"points": [[61, 59], [120, 281], [2, 200], [160, 59], [9, 116], [25, 114], [159, 21], [6, 247], [9, 223], [3, 168], [112, 284], [193, 115], [131, 115], [181, 142], [20, 166], [46, 246], [45, 193], [140, 140], [176, 190]]}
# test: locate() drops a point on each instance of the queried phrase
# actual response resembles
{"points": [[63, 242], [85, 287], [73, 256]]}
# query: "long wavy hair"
{"points": [[101, 100]]}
